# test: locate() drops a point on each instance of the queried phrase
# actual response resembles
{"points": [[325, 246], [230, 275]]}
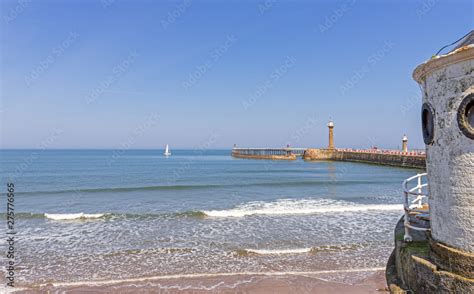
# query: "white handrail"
{"points": [[413, 205]]}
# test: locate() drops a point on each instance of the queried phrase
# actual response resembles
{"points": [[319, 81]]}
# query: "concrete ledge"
{"points": [[460, 55], [411, 269], [433, 280], [452, 260]]}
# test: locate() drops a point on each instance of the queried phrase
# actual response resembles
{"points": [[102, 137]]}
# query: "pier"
{"points": [[410, 159], [401, 158], [268, 153]]}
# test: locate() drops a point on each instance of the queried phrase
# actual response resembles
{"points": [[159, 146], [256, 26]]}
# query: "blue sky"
{"points": [[208, 74]]}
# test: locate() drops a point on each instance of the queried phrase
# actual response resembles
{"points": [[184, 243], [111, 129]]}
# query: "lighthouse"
{"points": [[442, 259], [404, 144], [331, 134], [447, 118]]}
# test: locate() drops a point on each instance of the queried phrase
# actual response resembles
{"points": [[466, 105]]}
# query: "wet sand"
{"points": [[259, 284]]}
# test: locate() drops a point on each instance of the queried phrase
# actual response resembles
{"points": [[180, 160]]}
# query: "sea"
{"points": [[84, 216]]}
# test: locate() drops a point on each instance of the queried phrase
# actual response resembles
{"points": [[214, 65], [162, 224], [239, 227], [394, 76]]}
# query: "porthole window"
{"points": [[427, 122], [466, 116]]}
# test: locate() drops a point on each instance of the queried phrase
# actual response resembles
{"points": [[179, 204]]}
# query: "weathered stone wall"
{"points": [[319, 154], [384, 159], [446, 81], [411, 268], [399, 160]]}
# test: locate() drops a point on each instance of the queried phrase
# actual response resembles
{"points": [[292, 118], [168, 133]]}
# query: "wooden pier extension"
{"points": [[268, 153]]}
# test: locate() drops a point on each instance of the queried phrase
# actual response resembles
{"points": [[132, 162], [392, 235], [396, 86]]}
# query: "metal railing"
{"points": [[416, 206], [420, 153], [269, 151]]}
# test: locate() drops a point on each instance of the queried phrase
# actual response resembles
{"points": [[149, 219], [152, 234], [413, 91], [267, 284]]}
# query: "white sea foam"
{"points": [[304, 250], [279, 251], [301, 206], [72, 216], [207, 275]]}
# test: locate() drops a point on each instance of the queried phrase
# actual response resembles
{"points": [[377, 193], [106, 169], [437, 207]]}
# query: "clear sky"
{"points": [[208, 74]]}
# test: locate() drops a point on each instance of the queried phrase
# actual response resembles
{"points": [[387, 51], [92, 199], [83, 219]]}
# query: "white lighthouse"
{"points": [[448, 132], [404, 143], [436, 253]]}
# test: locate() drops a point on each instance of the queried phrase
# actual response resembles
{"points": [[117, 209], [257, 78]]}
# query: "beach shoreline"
{"points": [[226, 283], [245, 227]]}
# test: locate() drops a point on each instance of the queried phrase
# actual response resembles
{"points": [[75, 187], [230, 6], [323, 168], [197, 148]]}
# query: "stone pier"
{"points": [[382, 157]]}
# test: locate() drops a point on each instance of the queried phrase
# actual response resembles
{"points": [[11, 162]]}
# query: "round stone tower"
{"points": [[404, 144], [439, 255], [331, 134], [447, 117]]}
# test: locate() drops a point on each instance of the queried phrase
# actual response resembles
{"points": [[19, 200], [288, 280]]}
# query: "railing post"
{"points": [[407, 237], [419, 189], [417, 201]]}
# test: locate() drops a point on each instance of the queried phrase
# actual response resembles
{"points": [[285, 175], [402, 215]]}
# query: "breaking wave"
{"points": [[73, 216], [109, 216], [273, 251], [278, 207], [304, 250], [299, 207]]}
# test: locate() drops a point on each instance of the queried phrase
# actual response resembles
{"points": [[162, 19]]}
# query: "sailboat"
{"points": [[167, 151]]}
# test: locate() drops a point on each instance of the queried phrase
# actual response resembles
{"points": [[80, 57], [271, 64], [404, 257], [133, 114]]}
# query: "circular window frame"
{"points": [[427, 137], [463, 122]]}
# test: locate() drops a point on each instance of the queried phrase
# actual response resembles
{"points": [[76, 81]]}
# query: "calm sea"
{"points": [[85, 215]]}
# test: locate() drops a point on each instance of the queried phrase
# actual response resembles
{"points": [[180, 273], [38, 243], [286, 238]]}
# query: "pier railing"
{"points": [[415, 203], [385, 151]]}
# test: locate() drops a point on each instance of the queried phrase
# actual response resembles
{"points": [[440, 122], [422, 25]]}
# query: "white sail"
{"points": [[167, 152]]}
